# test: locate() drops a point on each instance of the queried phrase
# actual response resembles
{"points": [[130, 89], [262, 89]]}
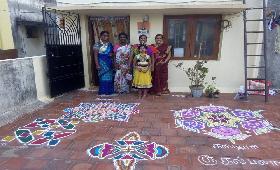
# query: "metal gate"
{"points": [[63, 51]]}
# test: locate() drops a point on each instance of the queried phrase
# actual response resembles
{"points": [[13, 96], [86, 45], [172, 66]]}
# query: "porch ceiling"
{"points": [[160, 9]]}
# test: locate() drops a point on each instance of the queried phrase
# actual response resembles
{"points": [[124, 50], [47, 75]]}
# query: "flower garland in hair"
{"points": [[103, 47]]}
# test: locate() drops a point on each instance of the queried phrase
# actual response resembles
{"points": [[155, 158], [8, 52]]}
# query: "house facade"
{"points": [[211, 30], [222, 46]]}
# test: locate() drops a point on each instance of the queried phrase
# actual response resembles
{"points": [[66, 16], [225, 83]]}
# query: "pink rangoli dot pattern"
{"points": [[222, 122], [96, 112]]}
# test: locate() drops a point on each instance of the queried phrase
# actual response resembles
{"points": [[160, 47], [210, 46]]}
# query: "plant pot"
{"points": [[210, 95], [196, 91], [216, 96]]}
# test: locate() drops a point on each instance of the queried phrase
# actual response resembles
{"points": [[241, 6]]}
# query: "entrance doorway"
{"points": [[114, 25]]}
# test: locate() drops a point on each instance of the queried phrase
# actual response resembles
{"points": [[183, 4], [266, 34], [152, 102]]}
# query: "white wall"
{"points": [[254, 26], [41, 79], [86, 50], [141, 1]]}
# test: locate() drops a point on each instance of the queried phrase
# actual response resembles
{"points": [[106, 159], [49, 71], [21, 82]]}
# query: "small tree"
{"points": [[197, 73], [211, 89]]}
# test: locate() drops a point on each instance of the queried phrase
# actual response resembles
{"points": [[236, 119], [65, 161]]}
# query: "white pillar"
{"points": [[85, 49]]}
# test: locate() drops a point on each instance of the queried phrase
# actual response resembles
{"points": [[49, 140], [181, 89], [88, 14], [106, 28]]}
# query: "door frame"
{"points": [[94, 73]]}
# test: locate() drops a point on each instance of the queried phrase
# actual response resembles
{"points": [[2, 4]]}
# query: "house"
{"points": [[27, 26], [22, 47], [211, 29]]}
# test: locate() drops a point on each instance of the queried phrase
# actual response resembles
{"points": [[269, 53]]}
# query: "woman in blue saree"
{"points": [[103, 55]]}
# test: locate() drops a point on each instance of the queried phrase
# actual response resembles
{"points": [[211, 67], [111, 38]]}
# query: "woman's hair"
{"points": [[123, 33], [104, 32], [159, 35], [142, 45], [142, 35]]}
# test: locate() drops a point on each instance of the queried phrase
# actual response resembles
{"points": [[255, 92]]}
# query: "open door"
{"points": [[114, 25]]}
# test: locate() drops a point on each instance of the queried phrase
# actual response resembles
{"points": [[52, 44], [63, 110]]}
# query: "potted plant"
{"points": [[196, 74], [211, 91]]}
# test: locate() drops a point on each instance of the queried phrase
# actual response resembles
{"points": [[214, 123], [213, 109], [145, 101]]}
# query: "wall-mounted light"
{"points": [[226, 24], [146, 18]]}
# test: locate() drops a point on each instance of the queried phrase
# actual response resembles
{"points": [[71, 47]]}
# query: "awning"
{"points": [[170, 9], [30, 23]]}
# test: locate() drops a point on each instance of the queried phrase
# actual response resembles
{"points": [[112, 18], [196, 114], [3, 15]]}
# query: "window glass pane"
{"points": [[205, 37], [177, 30]]}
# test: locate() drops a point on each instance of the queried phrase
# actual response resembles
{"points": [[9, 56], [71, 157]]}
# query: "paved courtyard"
{"points": [[225, 134]]}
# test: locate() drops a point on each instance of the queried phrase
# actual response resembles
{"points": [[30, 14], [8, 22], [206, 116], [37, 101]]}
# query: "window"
{"points": [[193, 36], [32, 32]]}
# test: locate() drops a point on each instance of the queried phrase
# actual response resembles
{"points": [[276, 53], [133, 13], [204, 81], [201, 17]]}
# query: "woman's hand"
{"points": [[144, 70], [117, 66], [160, 63], [97, 66], [166, 61], [168, 50], [151, 68]]}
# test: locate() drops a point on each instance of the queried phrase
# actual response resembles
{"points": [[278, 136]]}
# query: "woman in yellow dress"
{"points": [[142, 78]]}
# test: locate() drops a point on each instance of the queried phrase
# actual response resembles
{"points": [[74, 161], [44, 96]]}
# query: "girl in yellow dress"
{"points": [[142, 78]]}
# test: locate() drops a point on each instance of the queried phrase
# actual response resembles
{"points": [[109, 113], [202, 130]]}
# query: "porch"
{"points": [[154, 123]]}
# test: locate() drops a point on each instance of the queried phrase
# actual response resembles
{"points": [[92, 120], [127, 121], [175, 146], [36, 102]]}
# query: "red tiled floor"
{"points": [[35, 164], [84, 166], [155, 123], [60, 164], [40, 153], [14, 163]]}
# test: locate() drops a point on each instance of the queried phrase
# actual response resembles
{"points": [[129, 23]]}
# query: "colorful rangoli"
{"points": [[222, 122], [49, 132], [128, 151], [96, 112], [41, 132]]}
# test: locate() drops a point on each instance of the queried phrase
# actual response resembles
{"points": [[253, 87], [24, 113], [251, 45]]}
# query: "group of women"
{"points": [[122, 66]]}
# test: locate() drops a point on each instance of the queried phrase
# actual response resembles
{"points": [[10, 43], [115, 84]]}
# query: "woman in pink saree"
{"points": [[123, 54]]}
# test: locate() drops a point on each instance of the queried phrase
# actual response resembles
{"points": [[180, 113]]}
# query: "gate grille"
{"points": [[63, 51]]}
